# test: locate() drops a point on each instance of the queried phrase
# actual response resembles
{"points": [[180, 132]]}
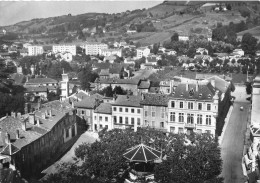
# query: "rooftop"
{"points": [[117, 81], [89, 102], [144, 84], [155, 99], [41, 81], [128, 100], [104, 108]]}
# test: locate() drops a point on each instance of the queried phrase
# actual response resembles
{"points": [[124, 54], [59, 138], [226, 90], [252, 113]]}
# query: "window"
{"points": [[138, 121], [181, 105], [132, 121], [190, 105], [120, 109], [172, 129], [100, 126], [82, 112], [138, 111], [120, 119], [190, 118], [106, 119], [162, 114], [208, 131], [114, 108], [172, 104], [172, 116], [153, 123], [145, 113], [100, 118], [199, 106], [153, 108], [181, 117], [162, 124], [95, 117], [126, 120], [106, 126], [67, 132], [115, 121], [153, 114], [181, 130], [208, 107], [126, 109], [208, 120], [146, 123], [132, 110], [199, 119]]}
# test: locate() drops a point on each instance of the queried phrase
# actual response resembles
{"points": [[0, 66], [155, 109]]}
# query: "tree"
{"points": [[249, 88], [119, 90], [249, 44], [86, 76], [229, 7], [175, 37]]}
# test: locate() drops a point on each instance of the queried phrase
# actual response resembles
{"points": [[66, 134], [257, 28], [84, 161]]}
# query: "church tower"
{"points": [[64, 84]]}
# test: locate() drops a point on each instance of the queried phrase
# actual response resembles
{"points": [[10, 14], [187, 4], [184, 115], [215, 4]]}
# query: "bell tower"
{"points": [[64, 86]]}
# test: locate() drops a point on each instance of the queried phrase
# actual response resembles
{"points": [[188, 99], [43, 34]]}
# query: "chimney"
{"points": [[24, 124], [39, 104], [50, 113], [142, 95], [43, 116], [32, 118], [197, 86], [7, 138], [13, 114], [187, 86], [38, 122], [17, 134]]}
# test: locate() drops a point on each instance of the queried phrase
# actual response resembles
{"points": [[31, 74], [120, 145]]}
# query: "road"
{"points": [[233, 139]]}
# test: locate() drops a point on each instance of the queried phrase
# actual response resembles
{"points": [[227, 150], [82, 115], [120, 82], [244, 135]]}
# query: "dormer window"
{"points": [[191, 93], [200, 95], [209, 95], [182, 94]]}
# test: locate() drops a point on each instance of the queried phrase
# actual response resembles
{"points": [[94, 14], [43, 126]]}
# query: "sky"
{"points": [[12, 12]]}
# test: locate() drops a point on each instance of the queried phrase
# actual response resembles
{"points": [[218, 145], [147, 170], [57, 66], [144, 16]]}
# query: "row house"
{"points": [[86, 107], [155, 107], [102, 117], [33, 141], [127, 112]]}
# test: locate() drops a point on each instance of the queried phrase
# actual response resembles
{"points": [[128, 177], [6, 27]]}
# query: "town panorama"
{"points": [[168, 93]]}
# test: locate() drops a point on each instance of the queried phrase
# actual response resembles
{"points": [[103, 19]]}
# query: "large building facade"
{"points": [[64, 48], [35, 50], [93, 48]]}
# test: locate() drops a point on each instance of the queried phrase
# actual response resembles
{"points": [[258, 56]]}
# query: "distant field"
{"points": [[155, 38], [254, 31]]}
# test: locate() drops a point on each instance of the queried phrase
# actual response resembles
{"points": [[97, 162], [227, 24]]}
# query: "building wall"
{"points": [[101, 121], [140, 53], [35, 50], [155, 116], [135, 118], [93, 48], [87, 115], [64, 48], [174, 125], [35, 156]]}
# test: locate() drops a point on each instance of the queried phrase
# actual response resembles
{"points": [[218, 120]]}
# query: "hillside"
{"points": [[156, 24], [254, 31]]}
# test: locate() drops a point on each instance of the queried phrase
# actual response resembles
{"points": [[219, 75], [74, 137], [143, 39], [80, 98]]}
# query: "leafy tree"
{"points": [[119, 90], [249, 44], [86, 76], [175, 37], [229, 7], [249, 88]]}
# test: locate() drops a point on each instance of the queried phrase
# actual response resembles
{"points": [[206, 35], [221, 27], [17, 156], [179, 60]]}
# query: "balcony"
{"points": [[189, 125]]}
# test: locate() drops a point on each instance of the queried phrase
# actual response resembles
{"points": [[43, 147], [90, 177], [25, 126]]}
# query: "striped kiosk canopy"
{"points": [[142, 153]]}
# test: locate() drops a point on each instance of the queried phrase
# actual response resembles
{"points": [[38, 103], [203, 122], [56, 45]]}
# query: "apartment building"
{"points": [[142, 52], [102, 117], [109, 52], [35, 50], [92, 48], [64, 48], [155, 108], [193, 107], [127, 112]]}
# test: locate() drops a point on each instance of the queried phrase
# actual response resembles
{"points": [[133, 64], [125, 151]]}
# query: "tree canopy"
{"points": [[249, 44]]}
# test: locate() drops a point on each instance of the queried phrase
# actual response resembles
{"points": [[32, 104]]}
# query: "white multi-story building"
{"points": [[64, 86], [108, 52], [102, 117], [127, 112], [64, 48], [142, 52], [35, 50], [93, 48]]}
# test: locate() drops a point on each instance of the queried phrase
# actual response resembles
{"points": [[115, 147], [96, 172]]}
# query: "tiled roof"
{"points": [[18, 78], [117, 81], [155, 99], [104, 108], [151, 59], [89, 102], [142, 48], [6, 149], [104, 72], [144, 85], [128, 100], [36, 89], [220, 84], [41, 80], [205, 92]]}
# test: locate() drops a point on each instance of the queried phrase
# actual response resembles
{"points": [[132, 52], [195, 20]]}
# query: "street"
{"points": [[233, 140]]}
